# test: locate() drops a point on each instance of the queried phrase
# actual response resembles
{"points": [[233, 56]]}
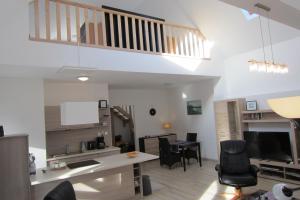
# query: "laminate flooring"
{"points": [[194, 184]]}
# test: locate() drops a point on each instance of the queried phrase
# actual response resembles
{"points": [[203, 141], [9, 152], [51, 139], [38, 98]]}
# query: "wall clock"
{"points": [[152, 111]]}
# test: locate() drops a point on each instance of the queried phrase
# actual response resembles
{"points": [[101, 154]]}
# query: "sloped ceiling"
{"points": [[220, 22], [293, 3], [284, 11]]}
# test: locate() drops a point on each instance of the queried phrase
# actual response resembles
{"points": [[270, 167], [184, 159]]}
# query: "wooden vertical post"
{"points": [[78, 25], [186, 42], [112, 30], [171, 50], [87, 25], [134, 34], [153, 37], [47, 17], [104, 29], [147, 36], [165, 38], [141, 35], [197, 54], [127, 33], [37, 19], [58, 21], [68, 20], [201, 46], [176, 46], [191, 43], [96, 31], [159, 38], [120, 32], [181, 39]]}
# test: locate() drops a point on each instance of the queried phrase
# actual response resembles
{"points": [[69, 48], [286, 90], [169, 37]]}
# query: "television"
{"points": [[268, 145]]}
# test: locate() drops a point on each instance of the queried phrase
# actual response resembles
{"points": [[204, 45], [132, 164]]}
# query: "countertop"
{"points": [[106, 163], [88, 152]]}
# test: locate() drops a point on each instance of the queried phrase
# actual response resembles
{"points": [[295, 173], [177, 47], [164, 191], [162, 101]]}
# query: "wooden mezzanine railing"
{"points": [[68, 22]]}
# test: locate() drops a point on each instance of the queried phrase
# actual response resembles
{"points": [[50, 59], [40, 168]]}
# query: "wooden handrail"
{"points": [[105, 28]]}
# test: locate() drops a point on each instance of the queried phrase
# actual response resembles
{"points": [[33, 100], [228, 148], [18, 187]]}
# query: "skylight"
{"points": [[249, 16]]}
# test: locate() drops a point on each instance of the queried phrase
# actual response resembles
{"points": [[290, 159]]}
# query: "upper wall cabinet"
{"points": [[52, 118], [53, 121], [77, 113]]}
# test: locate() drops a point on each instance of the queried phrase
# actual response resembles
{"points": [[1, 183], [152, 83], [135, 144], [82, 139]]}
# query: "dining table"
{"points": [[182, 146]]}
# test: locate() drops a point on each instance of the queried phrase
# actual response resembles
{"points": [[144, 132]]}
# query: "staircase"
{"points": [[125, 114]]}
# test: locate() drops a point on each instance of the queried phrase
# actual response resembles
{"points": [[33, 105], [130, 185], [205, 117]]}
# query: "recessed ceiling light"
{"points": [[83, 78]]}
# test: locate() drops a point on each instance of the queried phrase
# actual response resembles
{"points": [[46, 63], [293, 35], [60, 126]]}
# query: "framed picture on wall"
{"points": [[194, 107], [251, 105], [103, 104]]}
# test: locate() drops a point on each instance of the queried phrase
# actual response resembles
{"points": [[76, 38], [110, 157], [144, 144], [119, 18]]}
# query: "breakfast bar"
{"points": [[114, 177]]}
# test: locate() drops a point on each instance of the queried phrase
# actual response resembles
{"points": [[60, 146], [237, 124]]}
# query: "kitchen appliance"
{"points": [[32, 166], [100, 142], [91, 145], [82, 164], [83, 146]]}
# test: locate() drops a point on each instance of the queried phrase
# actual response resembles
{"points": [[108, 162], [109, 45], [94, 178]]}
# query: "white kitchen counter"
{"points": [[106, 163]]}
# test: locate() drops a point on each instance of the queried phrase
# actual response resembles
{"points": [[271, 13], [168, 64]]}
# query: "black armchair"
{"points": [[167, 155], [191, 152], [63, 191], [235, 169]]}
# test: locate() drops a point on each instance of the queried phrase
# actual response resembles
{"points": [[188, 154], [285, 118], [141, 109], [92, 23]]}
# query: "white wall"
{"points": [[59, 92], [240, 82], [143, 100], [22, 111], [203, 124]]}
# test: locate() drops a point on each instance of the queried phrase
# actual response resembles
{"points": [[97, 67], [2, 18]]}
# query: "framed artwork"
{"points": [[103, 104], [194, 107], [251, 105]]}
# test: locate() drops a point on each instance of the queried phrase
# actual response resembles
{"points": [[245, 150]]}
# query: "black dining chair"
{"points": [[63, 191], [167, 154], [235, 169], [192, 151]]}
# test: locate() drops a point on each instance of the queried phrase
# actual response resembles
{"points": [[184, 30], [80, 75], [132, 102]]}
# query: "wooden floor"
{"points": [[194, 184]]}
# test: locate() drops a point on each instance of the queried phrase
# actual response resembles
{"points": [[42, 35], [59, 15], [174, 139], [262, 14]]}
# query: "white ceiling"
{"points": [[115, 79]]}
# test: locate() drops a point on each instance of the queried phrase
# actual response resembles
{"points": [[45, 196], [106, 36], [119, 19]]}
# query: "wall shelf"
{"points": [[267, 121], [262, 116], [232, 120], [280, 171], [257, 111]]}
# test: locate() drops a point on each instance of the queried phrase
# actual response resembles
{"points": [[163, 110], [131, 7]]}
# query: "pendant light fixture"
{"points": [[266, 66], [82, 77]]}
